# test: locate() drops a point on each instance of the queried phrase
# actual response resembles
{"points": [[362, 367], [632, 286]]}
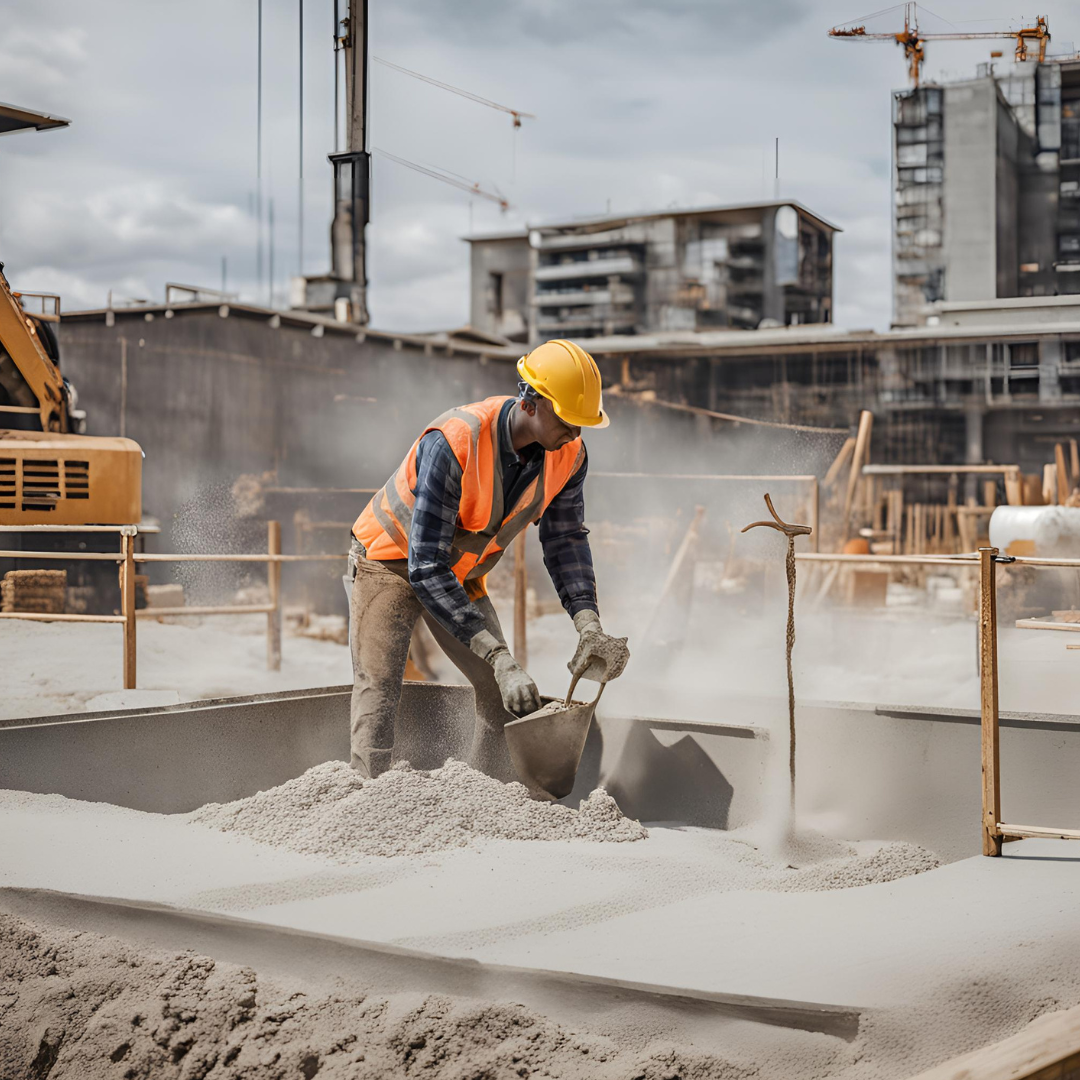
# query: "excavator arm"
{"points": [[21, 342]]}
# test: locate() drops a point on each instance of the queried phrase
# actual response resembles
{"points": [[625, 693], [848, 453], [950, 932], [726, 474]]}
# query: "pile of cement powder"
{"points": [[330, 811], [78, 1005]]}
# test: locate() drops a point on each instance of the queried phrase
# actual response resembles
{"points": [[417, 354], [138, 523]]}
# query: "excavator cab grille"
{"points": [[39, 484], [48, 478]]}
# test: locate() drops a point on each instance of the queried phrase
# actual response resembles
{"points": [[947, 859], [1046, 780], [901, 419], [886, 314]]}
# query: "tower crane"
{"points": [[913, 39]]}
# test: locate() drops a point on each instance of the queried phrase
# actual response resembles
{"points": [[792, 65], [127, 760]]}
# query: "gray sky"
{"points": [[641, 105]]}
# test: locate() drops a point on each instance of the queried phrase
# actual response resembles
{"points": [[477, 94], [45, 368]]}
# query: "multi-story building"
{"points": [[987, 188], [734, 267]]}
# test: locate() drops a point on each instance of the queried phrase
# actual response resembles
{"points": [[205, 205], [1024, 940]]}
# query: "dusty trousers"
{"points": [[383, 610]]}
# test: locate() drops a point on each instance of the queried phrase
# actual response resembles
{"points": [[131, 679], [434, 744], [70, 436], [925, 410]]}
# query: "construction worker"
{"points": [[473, 480]]}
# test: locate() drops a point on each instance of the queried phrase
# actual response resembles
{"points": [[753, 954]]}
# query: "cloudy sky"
{"points": [[640, 104]]}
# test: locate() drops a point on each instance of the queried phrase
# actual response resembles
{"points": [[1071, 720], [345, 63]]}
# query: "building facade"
{"points": [[986, 178], [738, 267]]}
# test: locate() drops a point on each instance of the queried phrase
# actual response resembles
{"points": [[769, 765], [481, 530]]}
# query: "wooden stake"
{"points": [[521, 589], [988, 693], [840, 461], [1014, 488], [1074, 462], [273, 579], [858, 458], [1049, 485], [989, 493], [127, 606], [1063, 486]]}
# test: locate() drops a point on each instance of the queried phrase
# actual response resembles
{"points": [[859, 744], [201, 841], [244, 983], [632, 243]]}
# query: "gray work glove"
{"points": [[519, 693], [599, 656]]}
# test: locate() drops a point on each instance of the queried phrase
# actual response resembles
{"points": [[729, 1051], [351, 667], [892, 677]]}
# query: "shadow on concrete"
{"points": [[673, 782], [588, 774]]}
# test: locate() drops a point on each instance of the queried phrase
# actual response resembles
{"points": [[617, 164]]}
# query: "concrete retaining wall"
{"points": [[864, 771]]}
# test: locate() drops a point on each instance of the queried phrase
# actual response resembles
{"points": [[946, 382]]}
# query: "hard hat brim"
{"points": [[596, 422]]}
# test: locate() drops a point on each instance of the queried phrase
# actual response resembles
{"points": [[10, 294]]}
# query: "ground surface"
{"points": [[895, 659], [72, 667], [681, 908], [687, 908]]}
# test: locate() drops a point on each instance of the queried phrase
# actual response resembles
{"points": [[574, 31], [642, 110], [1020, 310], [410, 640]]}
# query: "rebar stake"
{"points": [[790, 531]]}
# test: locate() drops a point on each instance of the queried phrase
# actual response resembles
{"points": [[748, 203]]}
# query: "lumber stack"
{"points": [[41, 592]]}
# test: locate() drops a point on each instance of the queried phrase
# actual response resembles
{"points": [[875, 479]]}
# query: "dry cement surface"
{"points": [[330, 811], [77, 1005], [82, 1006], [684, 908]]}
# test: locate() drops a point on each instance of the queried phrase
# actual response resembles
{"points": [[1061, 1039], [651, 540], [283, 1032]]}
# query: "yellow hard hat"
{"points": [[568, 377]]}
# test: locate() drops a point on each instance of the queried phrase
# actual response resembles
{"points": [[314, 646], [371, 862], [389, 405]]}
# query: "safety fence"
{"points": [[128, 558], [986, 561]]}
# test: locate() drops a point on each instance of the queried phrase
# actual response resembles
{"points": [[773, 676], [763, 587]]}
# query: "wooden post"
{"points": [[988, 694], [858, 459], [1014, 488], [127, 605], [1063, 486], [273, 578], [521, 589]]}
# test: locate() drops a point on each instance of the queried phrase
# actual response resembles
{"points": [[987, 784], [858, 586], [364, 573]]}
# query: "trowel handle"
{"points": [[573, 686]]}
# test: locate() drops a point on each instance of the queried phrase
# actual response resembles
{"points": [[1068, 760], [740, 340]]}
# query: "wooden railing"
{"points": [[986, 560], [128, 558]]}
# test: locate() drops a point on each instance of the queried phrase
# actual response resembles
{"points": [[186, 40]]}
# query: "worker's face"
{"points": [[551, 432]]}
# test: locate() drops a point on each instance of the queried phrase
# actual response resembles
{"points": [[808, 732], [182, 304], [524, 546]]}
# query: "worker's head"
{"points": [[546, 427], [566, 391]]}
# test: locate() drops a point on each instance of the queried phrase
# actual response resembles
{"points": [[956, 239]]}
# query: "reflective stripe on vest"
{"points": [[484, 530]]}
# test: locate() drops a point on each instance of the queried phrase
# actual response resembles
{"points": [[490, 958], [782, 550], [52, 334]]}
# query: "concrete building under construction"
{"points": [[987, 188], [734, 267]]}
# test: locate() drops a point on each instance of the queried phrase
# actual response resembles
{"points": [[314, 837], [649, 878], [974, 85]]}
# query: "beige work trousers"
{"points": [[383, 610]]}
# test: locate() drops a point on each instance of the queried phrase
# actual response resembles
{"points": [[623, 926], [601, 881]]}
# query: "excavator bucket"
{"points": [[546, 746]]}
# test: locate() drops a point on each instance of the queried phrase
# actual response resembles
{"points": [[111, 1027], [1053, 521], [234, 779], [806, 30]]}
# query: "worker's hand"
{"points": [[599, 656], [519, 693]]}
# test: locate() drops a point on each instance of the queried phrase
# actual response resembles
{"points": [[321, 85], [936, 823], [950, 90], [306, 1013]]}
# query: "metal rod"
{"points": [[988, 697], [790, 531]]}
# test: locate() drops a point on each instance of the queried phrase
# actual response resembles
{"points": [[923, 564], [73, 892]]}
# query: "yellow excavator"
{"points": [[51, 473]]}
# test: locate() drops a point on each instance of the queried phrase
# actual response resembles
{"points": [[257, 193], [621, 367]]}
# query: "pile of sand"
{"points": [[75, 1005], [330, 811]]}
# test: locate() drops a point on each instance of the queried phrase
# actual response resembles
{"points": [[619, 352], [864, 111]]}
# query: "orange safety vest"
{"points": [[485, 528]]}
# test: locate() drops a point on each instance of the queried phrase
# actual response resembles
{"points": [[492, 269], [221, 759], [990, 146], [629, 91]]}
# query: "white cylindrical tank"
{"points": [[1054, 530]]}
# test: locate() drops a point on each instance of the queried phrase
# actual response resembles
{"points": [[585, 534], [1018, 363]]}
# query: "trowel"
{"points": [[546, 746]]}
